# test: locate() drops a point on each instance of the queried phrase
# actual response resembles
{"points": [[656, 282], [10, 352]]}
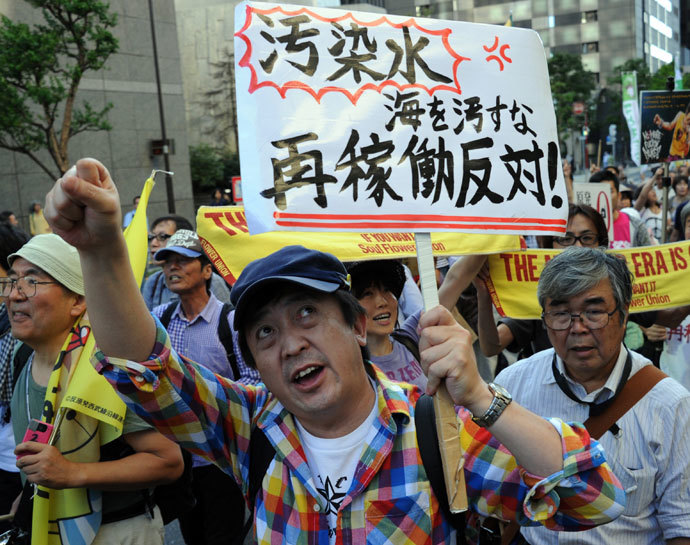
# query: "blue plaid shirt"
{"points": [[198, 340]]}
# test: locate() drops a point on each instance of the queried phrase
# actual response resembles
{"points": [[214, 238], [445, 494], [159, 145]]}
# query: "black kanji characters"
{"points": [[412, 56], [355, 62], [533, 156], [469, 167], [406, 108], [294, 42], [517, 172], [435, 167], [471, 113], [373, 156], [292, 171]]}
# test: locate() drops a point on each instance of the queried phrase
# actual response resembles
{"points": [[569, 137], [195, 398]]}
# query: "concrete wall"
{"points": [[206, 31], [128, 82]]}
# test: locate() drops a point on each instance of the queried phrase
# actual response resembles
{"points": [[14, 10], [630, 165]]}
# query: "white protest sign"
{"points": [[360, 122], [598, 196]]}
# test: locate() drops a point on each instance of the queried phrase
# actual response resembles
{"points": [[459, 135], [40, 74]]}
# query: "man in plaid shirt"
{"points": [[347, 467]]}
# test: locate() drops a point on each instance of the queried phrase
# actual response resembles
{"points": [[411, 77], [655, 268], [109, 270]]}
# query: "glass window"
{"points": [[589, 16]]}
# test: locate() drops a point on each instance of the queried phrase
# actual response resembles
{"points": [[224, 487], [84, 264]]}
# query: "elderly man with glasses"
{"points": [[99, 488], [585, 295]]}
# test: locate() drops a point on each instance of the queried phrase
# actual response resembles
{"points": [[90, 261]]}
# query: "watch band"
{"points": [[498, 404]]}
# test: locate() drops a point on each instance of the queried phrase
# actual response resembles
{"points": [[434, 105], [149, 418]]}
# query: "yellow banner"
{"points": [[225, 238], [660, 272]]}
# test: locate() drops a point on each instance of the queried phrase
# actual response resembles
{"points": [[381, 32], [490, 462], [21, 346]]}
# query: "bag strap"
{"points": [[408, 342], [167, 314], [427, 440], [261, 453], [225, 338], [21, 356], [635, 389]]}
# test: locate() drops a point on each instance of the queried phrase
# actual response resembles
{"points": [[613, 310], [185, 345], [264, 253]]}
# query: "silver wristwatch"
{"points": [[498, 404]]}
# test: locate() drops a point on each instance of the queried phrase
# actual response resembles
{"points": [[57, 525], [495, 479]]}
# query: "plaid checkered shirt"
{"points": [[390, 500]]}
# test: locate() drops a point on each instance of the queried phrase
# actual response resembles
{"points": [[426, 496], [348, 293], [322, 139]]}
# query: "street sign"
{"points": [[578, 108]]}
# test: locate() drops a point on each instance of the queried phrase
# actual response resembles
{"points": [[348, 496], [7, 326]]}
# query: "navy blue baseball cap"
{"points": [[293, 264]]}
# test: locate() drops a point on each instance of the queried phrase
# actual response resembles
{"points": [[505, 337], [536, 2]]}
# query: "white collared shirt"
{"points": [[601, 394], [650, 455]]}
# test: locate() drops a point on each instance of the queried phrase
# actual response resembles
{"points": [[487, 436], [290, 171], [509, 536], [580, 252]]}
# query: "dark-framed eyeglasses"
{"points": [[26, 285], [160, 237], [558, 320], [588, 239]]}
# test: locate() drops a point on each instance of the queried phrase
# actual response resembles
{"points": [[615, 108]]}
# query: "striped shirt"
{"points": [[390, 499], [650, 455], [198, 340]]}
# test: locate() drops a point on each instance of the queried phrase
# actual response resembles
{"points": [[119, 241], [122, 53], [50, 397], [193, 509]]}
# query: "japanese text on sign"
{"points": [[354, 122]]}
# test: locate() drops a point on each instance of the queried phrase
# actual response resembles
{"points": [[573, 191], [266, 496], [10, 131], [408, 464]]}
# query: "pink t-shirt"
{"points": [[621, 232]]}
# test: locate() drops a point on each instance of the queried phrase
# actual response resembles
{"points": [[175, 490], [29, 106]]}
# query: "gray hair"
{"points": [[578, 269]]}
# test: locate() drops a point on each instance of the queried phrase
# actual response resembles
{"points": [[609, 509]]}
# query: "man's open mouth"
{"points": [[307, 374]]}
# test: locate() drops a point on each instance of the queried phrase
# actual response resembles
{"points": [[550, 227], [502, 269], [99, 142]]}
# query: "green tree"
{"points": [[644, 76], [208, 166], [231, 164], [41, 67], [660, 77], [570, 82]]}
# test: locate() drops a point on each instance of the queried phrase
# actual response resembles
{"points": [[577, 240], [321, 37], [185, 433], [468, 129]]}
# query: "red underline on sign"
{"points": [[284, 218], [412, 225]]}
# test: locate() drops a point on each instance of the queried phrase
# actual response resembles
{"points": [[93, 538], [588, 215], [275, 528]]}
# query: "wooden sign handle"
{"points": [[447, 427]]}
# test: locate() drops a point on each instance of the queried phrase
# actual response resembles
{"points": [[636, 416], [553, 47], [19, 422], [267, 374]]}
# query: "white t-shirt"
{"points": [[653, 222], [333, 463]]}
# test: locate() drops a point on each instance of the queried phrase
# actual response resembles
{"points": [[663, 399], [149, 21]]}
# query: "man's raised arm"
{"points": [[84, 209]]}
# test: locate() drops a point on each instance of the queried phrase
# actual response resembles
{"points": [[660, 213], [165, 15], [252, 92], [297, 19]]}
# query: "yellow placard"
{"points": [[225, 238], [660, 274]]}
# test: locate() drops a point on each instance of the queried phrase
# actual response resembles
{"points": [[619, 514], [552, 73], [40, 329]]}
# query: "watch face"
{"points": [[500, 391]]}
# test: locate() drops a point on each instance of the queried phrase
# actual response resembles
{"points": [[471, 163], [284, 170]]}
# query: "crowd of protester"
{"points": [[319, 488]]}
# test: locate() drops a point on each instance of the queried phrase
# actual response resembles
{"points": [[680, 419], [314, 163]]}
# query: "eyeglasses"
{"points": [[588, 239], [26, 285], [160, 237], [558, 320]]}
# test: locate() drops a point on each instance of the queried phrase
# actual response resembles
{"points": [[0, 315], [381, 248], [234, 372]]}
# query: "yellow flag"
{"points": [[73, 515], [136, 233]]}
